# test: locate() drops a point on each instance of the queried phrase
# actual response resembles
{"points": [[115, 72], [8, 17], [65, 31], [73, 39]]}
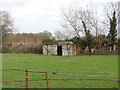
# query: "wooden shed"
{"points": [[59, 48]]}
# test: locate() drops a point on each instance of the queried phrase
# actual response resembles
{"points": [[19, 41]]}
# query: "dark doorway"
{"points": [[59, 50]]}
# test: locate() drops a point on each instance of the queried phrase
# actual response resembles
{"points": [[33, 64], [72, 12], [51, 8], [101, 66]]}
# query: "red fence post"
{"points": [[81, 82], [47, 80], [26, 79], [15, 84]]}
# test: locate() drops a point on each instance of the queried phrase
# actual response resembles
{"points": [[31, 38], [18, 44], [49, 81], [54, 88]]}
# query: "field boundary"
{"points": [[26, 80], [56, 73]]}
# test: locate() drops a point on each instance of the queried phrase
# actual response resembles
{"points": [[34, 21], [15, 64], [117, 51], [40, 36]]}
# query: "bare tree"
{"points": [[71, 21], [109, 9], [58, 35], [95, 23], [83, 22], [79, 19], [6, 23], [61, 35]]}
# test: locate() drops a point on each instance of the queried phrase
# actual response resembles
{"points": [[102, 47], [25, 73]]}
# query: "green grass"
{"points": [[106, 65]]}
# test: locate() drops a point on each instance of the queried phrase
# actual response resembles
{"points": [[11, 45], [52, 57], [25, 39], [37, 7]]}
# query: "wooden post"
{"points": [[47, 80], [110, 50], [26, 79], [81, 82], [92, 50], [42, 50], [15, 84], [114, 48], [47, 49]]}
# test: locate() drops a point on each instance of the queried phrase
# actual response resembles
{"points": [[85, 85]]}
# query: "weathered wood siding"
{"points": [[49, 49], [44, 49], [52, 50]]}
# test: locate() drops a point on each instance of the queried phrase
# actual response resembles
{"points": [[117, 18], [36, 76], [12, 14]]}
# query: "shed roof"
{"points": [[58, 43]]}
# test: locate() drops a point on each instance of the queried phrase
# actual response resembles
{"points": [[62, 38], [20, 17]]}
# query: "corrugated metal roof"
{"points": [[57, 43], [50, 43]]}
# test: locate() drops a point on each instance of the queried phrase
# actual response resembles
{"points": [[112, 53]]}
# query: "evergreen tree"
{"points": [[113, 30]]}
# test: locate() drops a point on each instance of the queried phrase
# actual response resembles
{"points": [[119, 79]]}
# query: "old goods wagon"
{"points": [[59, 48]]}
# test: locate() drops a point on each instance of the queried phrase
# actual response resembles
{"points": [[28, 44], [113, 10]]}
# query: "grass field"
{"points": [[106, 65]]}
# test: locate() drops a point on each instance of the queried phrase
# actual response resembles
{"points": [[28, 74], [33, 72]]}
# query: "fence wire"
{"points": [[55, 73], [37, 79]]}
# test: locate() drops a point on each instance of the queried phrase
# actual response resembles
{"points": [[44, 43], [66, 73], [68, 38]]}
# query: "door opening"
{"points": [[59, 50]]}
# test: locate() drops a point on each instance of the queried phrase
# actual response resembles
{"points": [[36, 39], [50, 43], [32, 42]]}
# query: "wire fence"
{"points": [[59, 80]]}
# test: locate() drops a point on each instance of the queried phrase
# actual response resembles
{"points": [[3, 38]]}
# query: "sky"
{"points": [[35, 16]]}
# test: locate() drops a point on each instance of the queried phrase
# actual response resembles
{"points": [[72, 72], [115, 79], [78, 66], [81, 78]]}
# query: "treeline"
{"points": [[25, 42], [32, 43]]}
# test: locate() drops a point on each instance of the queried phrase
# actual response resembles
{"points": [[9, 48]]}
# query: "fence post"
{"points": [[81, 82], [15, 84], [47, 80], [26, 79]]}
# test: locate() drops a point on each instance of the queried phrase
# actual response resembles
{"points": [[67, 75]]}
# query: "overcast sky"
{"points": [[34, 16]]}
